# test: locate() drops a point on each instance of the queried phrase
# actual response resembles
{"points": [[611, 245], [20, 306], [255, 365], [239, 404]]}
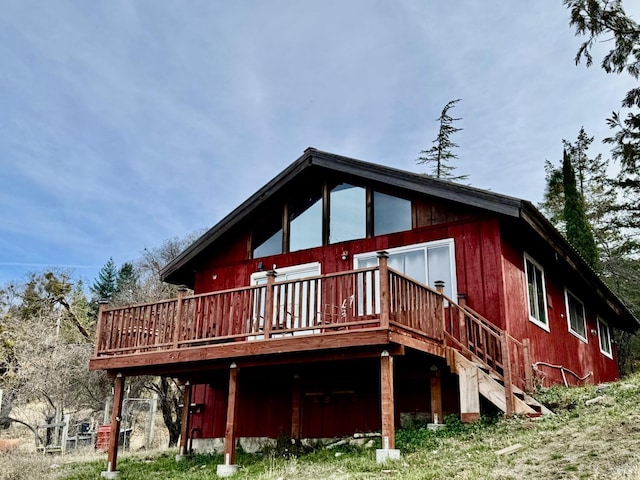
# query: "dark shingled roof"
{"points": [[180, 269]]}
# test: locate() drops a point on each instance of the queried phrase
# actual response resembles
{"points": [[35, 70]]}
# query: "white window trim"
{"points": [[567, 292], [284, 270], [601, 323], [532, 319], [417, 246]]}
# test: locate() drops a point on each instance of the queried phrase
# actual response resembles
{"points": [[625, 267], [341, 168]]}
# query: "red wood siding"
{"points": [[478, 266], [337, 398], [558, 346]]}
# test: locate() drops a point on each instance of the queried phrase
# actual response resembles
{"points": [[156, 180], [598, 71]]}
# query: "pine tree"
{"points": [[578, 230], [439, 156], [105, 285]]}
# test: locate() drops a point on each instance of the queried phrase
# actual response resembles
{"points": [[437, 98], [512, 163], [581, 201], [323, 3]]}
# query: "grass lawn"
{"points": [[595, 434]]}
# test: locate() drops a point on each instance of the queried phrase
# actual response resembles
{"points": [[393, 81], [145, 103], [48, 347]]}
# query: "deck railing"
{"points": [[375, 297]]}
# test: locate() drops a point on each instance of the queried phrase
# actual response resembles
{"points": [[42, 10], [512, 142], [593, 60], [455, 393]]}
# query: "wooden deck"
{"points": [[351, 313]]}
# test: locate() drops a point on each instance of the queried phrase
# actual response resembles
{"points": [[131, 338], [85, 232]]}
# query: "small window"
{"points": [[604, 336], [348, 218], [390, 214], [536, 293], [575, 316]]}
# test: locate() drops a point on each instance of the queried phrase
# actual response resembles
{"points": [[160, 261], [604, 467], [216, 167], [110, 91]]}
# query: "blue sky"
{"points": [[125, 123]]}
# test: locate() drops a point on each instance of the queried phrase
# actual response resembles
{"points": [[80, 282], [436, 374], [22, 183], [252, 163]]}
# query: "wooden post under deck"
{"points": [[436, 395], [387, 401], [295, 408], [506, 373], [184, 425], [385, 297], [232, 408], [116, 418]]}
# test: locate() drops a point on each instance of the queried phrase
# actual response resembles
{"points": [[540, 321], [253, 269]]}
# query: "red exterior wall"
{"points": [[337, 398], [558, 346]]}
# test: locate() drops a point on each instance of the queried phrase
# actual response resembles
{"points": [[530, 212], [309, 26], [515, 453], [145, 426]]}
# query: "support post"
{"points": [[116, 418], [229, 468], [462, 321], [469, 394], [268, 303], [436, 395], [506, 373], [295, 408], [184, 425], [385, 297], [388, 450], [528, 374]]}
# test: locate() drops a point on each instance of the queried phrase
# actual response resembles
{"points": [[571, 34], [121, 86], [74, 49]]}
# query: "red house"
{"points": [[349, 297]]}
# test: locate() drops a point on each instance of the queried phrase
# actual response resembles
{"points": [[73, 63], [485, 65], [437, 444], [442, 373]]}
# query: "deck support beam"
{"points": [[184, 424], [436, 395], [116, 419], [229, 468], [387, 407], [295, 408]]}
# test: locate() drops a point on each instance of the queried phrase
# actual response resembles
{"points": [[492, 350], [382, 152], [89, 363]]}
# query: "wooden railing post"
{"points": [[385, 294], [440, 316], [269, 303], [526, 360], [102, 305], [506, 372], [177, 321], [462, 321]]}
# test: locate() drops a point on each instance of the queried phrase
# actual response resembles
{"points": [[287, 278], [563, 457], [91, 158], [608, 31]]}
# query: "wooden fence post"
{"points": [[385, 294], [269, 303]]}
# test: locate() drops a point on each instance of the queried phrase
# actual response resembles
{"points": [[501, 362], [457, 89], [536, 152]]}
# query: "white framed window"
{"points": [[424, 262], [536, 293], [604, 338], [576, 318]]}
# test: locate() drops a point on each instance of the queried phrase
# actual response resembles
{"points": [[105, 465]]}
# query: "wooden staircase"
{"points": [[477, 379]]}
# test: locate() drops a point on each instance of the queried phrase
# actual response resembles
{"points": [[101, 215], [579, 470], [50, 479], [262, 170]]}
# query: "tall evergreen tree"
{"points": [[441, 154], [578, 230], [105, 285], [607, 20]]}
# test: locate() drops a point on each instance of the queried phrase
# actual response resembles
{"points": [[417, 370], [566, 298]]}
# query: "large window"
{"points": [[536, 293], [390, 214], [305, 221], [604, 337], [306, 228], [575, 316], [348, 216], [425, 263], [270, 246]]}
